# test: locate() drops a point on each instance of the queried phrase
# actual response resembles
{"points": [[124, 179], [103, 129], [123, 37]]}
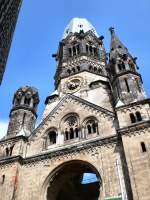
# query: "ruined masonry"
{"points": [[93, 142]]}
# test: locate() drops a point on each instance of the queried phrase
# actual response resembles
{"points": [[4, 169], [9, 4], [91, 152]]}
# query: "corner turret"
{"points": [[23, 113]]}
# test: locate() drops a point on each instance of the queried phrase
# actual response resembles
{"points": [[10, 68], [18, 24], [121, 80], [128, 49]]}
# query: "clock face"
{"points": [[73, 85]]}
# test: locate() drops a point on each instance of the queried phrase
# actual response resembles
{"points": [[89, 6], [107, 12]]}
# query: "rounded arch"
{"points": [[51, 135], [56, 172], [69, 126]]}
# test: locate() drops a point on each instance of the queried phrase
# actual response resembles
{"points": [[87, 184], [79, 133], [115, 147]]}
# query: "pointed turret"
{"points": [[115, 42], [122, 68]]}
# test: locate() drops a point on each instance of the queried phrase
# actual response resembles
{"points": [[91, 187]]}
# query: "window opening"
{"points": [[143, 146], [138, 116], [89, 129], [52, 137], [126, 82], [66, 135], [138, 85], [94, 128], [27, 101], [132, 117]]}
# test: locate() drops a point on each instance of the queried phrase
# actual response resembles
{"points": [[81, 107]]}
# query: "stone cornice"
{"points": [[9, 160], [64, 151], [23, 107], [134, 128], [13, 139], [124, 73], [144, 101]]}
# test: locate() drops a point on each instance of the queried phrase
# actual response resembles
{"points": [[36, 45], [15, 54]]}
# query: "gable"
{"points": [[71, 104]]}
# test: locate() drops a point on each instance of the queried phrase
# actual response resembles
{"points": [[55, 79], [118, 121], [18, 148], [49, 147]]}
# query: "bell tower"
{"points": [[123, 70], [81, 65]]}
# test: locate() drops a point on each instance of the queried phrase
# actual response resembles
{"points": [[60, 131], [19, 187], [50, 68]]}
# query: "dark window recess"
{"points": [[127, 85], [73, 70], [143, 146], [24, 117], [78, 68], [27, 101], [78, 49], [138, 116], [7, 151], [66, 135], [52, 137], [71, 133], [77, 132], [121, 66], [69, 71], [70, 52], [132, 117], [3, 179], [89, 129]]}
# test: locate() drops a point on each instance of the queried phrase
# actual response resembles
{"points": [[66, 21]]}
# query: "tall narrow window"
{"points": [[138, 85], [143, 146], [78, 49], [94, 127], [138, 116], [71, 133], [89, 129], [132, 117], [70, 52], [126, 82], [66, 135], [74, 50]]}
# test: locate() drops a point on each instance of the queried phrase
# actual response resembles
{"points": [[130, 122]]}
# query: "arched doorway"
{"points": [[75, 180]]}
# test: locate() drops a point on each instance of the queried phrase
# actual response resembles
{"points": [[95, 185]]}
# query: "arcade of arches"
{"points": [[76, 180]]}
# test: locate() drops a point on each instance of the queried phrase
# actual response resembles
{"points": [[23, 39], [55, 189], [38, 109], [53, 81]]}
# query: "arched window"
{"points": [[52, 135], [132, 117], [71, 128], [91, 126], [138, 116]]}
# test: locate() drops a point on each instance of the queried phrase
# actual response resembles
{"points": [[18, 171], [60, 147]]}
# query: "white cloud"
{"points": [[3, 128]]}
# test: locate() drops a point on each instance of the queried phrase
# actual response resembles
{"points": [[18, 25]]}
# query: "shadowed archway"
{"points": [[76, 180]]}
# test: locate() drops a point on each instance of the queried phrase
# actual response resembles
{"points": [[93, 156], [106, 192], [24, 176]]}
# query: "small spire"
{"points": [[115, 41]]}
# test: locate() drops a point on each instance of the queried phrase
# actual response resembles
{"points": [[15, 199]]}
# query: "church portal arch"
{"points": [[75, 180]]}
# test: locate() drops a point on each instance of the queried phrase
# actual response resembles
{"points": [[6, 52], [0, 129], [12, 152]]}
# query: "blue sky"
{"points": [[40, 27]]}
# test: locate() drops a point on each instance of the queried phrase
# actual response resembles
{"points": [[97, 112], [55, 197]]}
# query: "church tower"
{"points": [[23, 114], [93, 140], [123, 70]]}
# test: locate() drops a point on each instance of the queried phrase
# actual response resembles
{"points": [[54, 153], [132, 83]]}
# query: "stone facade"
{"points": [[9, 11], [95, 124]]}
